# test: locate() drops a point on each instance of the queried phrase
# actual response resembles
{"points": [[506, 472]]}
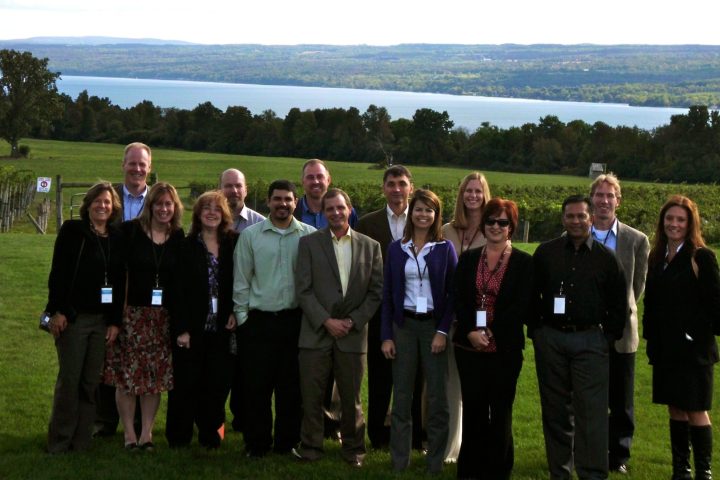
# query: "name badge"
{"points": [[213, 304], [559, 307], [421, 305], [156, 296], [106, 294], [481, 319]]}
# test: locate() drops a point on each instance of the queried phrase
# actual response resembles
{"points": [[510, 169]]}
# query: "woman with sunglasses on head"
{"points": [[493, 294], [681, 319], [416, 315], [465, 233], [85, 298], [202, 325], [140, 364]]}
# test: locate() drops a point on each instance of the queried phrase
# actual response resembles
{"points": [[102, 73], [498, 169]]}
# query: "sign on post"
{"points": [[43, 184]]}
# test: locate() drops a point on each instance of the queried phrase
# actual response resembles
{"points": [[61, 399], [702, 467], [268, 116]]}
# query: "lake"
{"points": [[465, 111]]}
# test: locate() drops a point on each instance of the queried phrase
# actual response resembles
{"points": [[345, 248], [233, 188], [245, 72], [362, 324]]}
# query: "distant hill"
{"points": [[92, 41], [644, 75]]}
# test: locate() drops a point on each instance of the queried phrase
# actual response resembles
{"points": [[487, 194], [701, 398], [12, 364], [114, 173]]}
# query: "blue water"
{"points": [[465, 111]]}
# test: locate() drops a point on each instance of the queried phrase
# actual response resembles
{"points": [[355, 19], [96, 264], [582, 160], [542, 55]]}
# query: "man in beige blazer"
{"points": [[631, 248], [338, 282]]}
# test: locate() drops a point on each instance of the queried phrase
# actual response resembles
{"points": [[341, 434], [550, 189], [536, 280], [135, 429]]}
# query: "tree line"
{"points": [[685, 150]]}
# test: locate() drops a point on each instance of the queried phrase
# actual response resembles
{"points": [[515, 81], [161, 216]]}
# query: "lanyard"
{"points": [[415, 256], [158, 261], [462, 239], [106, 258], [607, 235], [483, 265]]}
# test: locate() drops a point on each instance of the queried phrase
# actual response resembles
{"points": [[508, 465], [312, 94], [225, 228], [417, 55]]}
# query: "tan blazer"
{"points": [[319, 292], [632, 252]]}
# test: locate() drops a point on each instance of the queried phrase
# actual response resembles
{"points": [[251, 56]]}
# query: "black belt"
{"points": [[575, 328], [418, 316]]}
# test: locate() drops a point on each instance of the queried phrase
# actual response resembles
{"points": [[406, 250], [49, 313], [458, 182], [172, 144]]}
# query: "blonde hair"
{"points": [[608, 178], [130, 146], [460, 215]]}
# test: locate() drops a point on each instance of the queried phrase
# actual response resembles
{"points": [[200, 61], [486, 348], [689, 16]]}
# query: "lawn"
{"points": [[28, 367], [28, 364]]}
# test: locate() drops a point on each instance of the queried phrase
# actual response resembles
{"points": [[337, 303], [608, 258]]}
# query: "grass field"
{"points": [[89, 162], [28, 365]]}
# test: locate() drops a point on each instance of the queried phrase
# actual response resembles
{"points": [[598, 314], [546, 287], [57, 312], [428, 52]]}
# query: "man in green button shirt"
{"points": [[268, 316]]}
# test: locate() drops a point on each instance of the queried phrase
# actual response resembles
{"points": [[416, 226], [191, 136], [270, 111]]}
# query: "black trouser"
{"points": [[202, 374], [380, 384], [488, 383], [269, 349], [621, 406], [236, 396]]}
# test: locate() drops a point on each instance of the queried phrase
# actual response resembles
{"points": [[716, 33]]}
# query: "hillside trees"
{"points": [[28, 96], [687, 149]]}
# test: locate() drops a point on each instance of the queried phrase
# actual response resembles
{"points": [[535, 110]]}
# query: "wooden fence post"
{"points": [[58, 202]]}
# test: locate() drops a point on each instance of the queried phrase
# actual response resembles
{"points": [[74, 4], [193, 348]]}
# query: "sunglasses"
{"points": [[501, 222]]}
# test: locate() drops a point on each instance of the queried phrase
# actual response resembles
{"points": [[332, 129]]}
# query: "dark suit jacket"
{"points": [[319, 292], [193, 297], [677, 305], [513, 306], [375, 225]]}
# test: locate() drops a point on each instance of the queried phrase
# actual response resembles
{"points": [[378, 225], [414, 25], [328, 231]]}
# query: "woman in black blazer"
{"points": [[85, 298], [682, 316], [202, 326], [493, 294]]}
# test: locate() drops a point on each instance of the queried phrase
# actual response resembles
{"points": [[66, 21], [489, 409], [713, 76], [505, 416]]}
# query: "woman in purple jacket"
{"points": [[417, 312]]}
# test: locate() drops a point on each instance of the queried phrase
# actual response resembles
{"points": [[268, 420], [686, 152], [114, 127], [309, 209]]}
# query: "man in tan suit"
{"points": [[631, 248], [338, 282]]}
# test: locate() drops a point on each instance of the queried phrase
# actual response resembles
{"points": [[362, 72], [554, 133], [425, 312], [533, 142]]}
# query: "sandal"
{"points": [[147, 447]]}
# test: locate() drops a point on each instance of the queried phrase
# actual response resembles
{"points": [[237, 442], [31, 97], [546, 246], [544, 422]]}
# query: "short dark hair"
{"points": [[282, 185], [577, 199], [494, 207], [397, 171], [335, 192]]}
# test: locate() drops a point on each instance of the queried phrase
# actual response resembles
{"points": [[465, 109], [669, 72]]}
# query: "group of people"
{"points": [[296, 305]]}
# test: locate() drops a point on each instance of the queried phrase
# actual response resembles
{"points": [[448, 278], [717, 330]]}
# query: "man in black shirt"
{"points": [[581, 307]]}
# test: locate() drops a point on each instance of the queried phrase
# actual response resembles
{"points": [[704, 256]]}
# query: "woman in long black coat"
{"points": [[682, 316], [202, 325]]}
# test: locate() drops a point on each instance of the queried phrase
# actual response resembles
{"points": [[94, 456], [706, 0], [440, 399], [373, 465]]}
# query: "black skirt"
{"points": [[688, 388]]}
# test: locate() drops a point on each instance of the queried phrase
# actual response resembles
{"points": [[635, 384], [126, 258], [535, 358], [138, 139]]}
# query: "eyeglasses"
{"points": [[501, 222]]}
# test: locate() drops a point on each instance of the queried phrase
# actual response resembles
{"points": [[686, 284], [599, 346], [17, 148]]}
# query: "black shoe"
{"points": [[620, 468], [255, 454]]}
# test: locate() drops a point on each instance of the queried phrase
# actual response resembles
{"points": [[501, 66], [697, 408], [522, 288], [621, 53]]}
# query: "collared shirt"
{"points": [[417, 279], [317, 219], [396, 222], [247, 217], [606, 237], [265, 259], [592, 283], [132, 204], [343, 255]]}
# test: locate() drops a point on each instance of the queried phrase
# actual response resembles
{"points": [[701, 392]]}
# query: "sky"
{"points": [[371, 22]]}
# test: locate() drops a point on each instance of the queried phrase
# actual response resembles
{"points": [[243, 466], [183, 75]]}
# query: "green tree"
{"points": [[28, 96]]}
